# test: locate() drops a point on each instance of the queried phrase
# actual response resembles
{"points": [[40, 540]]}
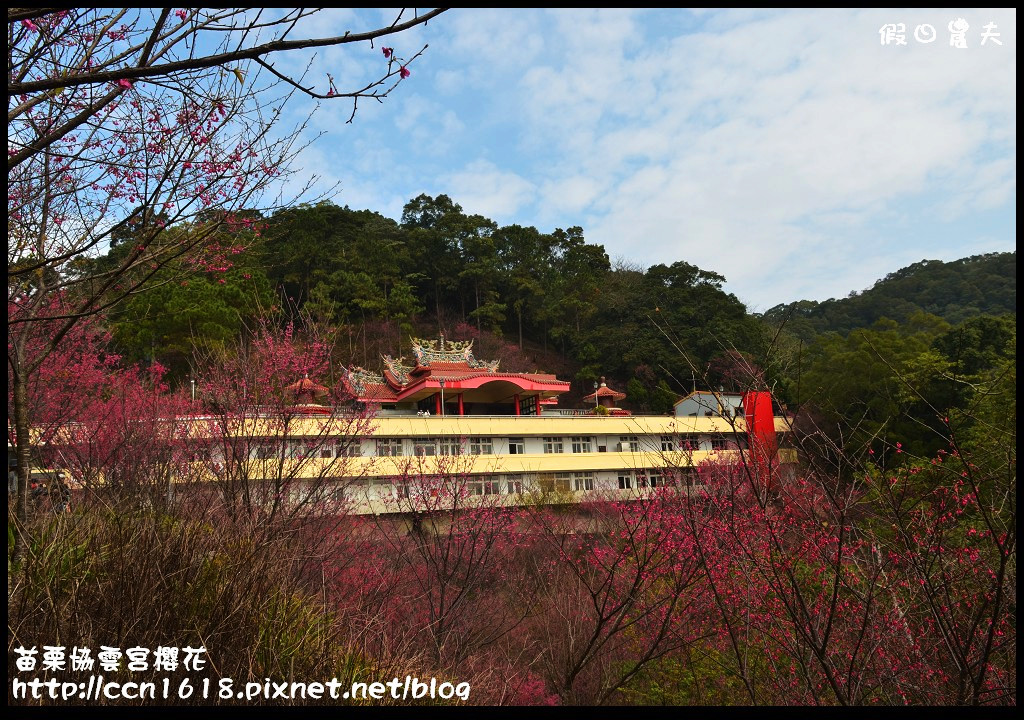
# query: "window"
{"points": [[490, 486], [552, 445], [401, 491], [516, 446], [515, 485], [528, 406], [424, 447], [480, 446], [649, 478], [340, 449], [389, 447], [625, 482], [667, 443], [581, 445], [629, 443], [349, 490], [689, 442], [263, 451], [299, 449], [451, 446], [347, 448], [562, 481], [719, 442], [583, 482]]}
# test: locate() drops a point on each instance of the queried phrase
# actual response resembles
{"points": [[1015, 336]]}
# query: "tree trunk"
{"points": [[477, 288], [520, 314], [22, 439]]}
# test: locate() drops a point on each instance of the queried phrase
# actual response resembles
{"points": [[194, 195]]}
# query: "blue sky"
{"points": [[788, 150]]}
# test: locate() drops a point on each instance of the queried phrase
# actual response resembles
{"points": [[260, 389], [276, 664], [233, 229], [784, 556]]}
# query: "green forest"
{"points": [[891, 361]]}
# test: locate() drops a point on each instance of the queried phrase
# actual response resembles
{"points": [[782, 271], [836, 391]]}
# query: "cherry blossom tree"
{"points": [[272, 449], [443, 560], [147, 129]]}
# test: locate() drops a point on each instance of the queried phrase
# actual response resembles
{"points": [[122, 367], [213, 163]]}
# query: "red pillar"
{"points": [[461, 409], [437, 404], [516, 402]]}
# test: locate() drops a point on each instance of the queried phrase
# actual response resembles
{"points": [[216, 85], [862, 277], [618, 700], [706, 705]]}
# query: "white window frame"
{"points": [[553, 445], [630, 441], [484, 486], [424, 447], [390, 447], [690, 442], [582, 444], [447, 445], [481, 446], [583, 482], [347, 448]]}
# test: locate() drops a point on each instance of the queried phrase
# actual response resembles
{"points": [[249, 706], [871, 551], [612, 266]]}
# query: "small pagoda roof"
{"points": [[604, 391], [307, 386]]}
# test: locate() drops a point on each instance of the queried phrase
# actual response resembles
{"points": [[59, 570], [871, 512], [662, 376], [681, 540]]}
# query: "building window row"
{"points": [[323, 448], [478, 445], [575, 481], [485, 485]]}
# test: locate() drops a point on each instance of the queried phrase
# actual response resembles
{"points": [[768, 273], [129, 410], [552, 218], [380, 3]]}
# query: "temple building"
{"points": [[446, 414], [447, 379]]}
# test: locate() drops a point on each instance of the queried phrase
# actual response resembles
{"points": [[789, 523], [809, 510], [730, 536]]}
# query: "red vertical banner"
{"points": [[760, 419]]}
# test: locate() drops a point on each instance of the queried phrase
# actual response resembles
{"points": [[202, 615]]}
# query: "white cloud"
{"points": [[787, 150], [483, 188], [767, 127]]}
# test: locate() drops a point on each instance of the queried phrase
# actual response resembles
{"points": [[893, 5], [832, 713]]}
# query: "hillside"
{"points": [[954, 291]]}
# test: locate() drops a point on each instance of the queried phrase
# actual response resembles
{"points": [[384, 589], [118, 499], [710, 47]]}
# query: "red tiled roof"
{"points": [[605, 391], [378, 392], [305, 385]]}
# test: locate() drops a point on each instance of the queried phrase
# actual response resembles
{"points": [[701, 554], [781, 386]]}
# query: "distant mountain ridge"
{"points": [[955, 291]]}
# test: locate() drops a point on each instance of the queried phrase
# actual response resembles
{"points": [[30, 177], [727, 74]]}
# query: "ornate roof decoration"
{"points": [[399, 371], [428, 351], [488, 365], [359, 377]]}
